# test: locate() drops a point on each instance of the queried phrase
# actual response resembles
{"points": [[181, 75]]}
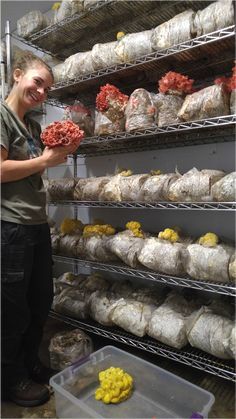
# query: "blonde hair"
{"points": [[26, 60]]}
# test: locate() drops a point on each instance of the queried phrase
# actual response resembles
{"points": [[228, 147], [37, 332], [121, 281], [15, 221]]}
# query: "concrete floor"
{"points": [[223, 390]]}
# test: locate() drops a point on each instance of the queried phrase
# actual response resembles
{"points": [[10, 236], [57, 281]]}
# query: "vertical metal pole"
{"points": [[3, 87], [8, 52], [75, 176], [75, 267]]}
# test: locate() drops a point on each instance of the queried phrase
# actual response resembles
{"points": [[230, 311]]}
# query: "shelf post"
{"points": [[8, 52], [75, 210], [3, 80]]}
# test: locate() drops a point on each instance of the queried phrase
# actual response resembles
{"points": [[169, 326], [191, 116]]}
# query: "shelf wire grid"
{"points": [[215, 206], [218, 36], [122, 15], [169, 136], [32, 45], [186, 282], [215, 56], [189, 356]]}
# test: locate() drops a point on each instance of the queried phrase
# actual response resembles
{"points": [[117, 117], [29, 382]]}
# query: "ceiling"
{"points": [[14, 10]]}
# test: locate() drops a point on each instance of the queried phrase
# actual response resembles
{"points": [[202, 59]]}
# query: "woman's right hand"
{"points": [[57, 155]]}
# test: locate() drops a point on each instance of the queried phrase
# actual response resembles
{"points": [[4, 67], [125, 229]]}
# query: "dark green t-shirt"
{"points": [[22, 201]]}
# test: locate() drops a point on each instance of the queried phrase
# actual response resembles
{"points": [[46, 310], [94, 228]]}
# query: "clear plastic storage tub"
{"points": [[157, 393]]}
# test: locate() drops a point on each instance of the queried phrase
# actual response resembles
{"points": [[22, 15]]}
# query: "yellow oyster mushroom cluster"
{"points": [[120, 35], [115, 386], [98, 229], [56, 5], [70, 225], [209, 240], [155, 172], [169, 234], [135, 227], [125, 172], [70, 277]]}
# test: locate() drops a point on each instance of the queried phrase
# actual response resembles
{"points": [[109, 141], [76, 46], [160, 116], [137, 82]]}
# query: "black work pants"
{"points": [[26, 296]]}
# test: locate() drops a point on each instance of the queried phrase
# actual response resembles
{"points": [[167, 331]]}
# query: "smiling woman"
{"points": [[35, 76], [26, 290]]}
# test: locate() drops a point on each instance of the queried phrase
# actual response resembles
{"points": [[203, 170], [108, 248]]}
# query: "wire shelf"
{"points": [[121, 15], [216, 206], [169, 136], [188, 356], [208, 55], [148, 275]]}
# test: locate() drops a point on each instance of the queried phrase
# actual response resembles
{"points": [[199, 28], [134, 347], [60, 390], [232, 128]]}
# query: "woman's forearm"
{"points": [[12, 170]]}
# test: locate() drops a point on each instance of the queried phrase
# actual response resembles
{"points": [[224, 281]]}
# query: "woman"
{"points": [[26, 246]]}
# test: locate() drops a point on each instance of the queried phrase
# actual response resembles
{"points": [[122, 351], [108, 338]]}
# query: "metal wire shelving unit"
{"points": [[151, 276], [215, 206], [122, 15], [188, 356], [214, 51], [169, 136]]}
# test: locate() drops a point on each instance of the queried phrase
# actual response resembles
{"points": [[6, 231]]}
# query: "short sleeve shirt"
{"points": [[22, 201]]}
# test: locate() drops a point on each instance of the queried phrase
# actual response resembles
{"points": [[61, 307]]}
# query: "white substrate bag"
{"points": [[194, 185], [105, 125], [126, 247], [162, 256], [82, 116], [68, 8], [60, 189], [72, 302], [212, 333], [32, 22], [92, 188], [134, 45], [79, 187], [208, 263], [230, 343], [111, 191], [167, 108], [67, 280], [131, 316], [130, 186], [232, 267], [140, 111], [206, 103], [225, 189], [216, 16], [68, 347], [168, 323], [104, 55], [68, 245], [233, 102], [77, 65], [156, 187], [100, 303], [176, 30], [96, 248], [59, 72]]}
